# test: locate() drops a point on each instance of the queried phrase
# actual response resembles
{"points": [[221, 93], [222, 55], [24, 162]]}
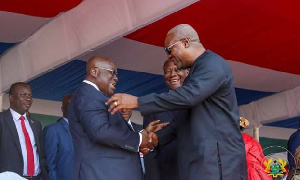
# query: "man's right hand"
{"points": [[149, 138]]}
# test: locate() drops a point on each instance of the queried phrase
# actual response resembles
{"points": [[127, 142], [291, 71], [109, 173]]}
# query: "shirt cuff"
{"points": [[141, 137]]}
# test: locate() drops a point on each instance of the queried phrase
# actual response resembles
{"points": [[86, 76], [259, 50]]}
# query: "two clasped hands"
{"points": [[149, 138]]}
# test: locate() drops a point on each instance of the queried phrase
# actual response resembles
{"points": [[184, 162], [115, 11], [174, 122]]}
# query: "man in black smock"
{"points": [[210, 144]]}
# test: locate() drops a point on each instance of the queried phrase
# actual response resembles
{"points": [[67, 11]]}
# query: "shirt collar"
{"points": [[90, 83], [16, 115], [65, 119], [129, 122]]}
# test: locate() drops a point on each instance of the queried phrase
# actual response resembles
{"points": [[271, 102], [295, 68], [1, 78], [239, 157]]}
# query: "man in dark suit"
{"points": [[21, 140], [211, 146], [162, 162], [59, 146], [104, 145]]}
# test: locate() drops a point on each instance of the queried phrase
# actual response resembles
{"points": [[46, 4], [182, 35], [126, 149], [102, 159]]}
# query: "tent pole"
{"points": [[256, 133]]}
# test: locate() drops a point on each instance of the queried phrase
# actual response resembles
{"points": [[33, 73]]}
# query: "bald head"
{"points": [[95, 61], [103, 73], [174, 77], [14, 87], [183, 46], [184, 31], [167, 63]]}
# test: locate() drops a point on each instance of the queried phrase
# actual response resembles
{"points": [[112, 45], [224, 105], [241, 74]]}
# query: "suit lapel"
{"points": [[119, 116], [65, 126], [130, 127], [12, 127], [35, 130]]}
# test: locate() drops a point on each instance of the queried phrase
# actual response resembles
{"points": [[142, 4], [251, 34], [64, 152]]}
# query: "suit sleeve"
{"points": [[104, 128], [51, 148], [42, 155], [204, 81]]}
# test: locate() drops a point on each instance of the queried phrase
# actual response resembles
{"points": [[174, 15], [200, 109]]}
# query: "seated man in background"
{"points": [[59, 145], [162, 162]]}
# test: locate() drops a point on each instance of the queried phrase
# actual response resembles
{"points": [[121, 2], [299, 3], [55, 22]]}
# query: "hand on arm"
{"points": [[121, 101]]}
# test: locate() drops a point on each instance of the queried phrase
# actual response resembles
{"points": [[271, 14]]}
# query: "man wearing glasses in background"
{"points": [[210, 145]]}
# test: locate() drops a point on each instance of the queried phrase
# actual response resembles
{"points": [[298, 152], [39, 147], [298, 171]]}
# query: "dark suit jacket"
{"points": [[11, 158], [211, 133], [59, 150], [104, 146], [162, 162], [136, 127]]}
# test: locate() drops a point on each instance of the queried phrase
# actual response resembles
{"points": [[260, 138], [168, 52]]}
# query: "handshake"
{"points": [[149, 138]]}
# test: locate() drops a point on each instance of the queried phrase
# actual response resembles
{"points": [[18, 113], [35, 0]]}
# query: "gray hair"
{"points": [[184, 31]]}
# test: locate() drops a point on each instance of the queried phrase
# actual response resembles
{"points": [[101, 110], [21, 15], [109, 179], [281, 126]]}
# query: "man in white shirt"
{"points": [[22, 149]]}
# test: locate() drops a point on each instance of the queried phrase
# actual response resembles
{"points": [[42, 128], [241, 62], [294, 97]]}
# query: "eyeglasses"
{"points": [[169, 48], [26, 95], [113, 72]]}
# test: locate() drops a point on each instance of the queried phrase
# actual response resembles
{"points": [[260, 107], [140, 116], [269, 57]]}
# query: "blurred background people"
{"points": [[294, 150], [294, 156], [59, 146], [255, 157]]}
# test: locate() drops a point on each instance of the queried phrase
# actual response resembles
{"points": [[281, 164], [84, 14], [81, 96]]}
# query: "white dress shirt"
{"points": [[129, 122], [16, 117], [65, 119]]}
